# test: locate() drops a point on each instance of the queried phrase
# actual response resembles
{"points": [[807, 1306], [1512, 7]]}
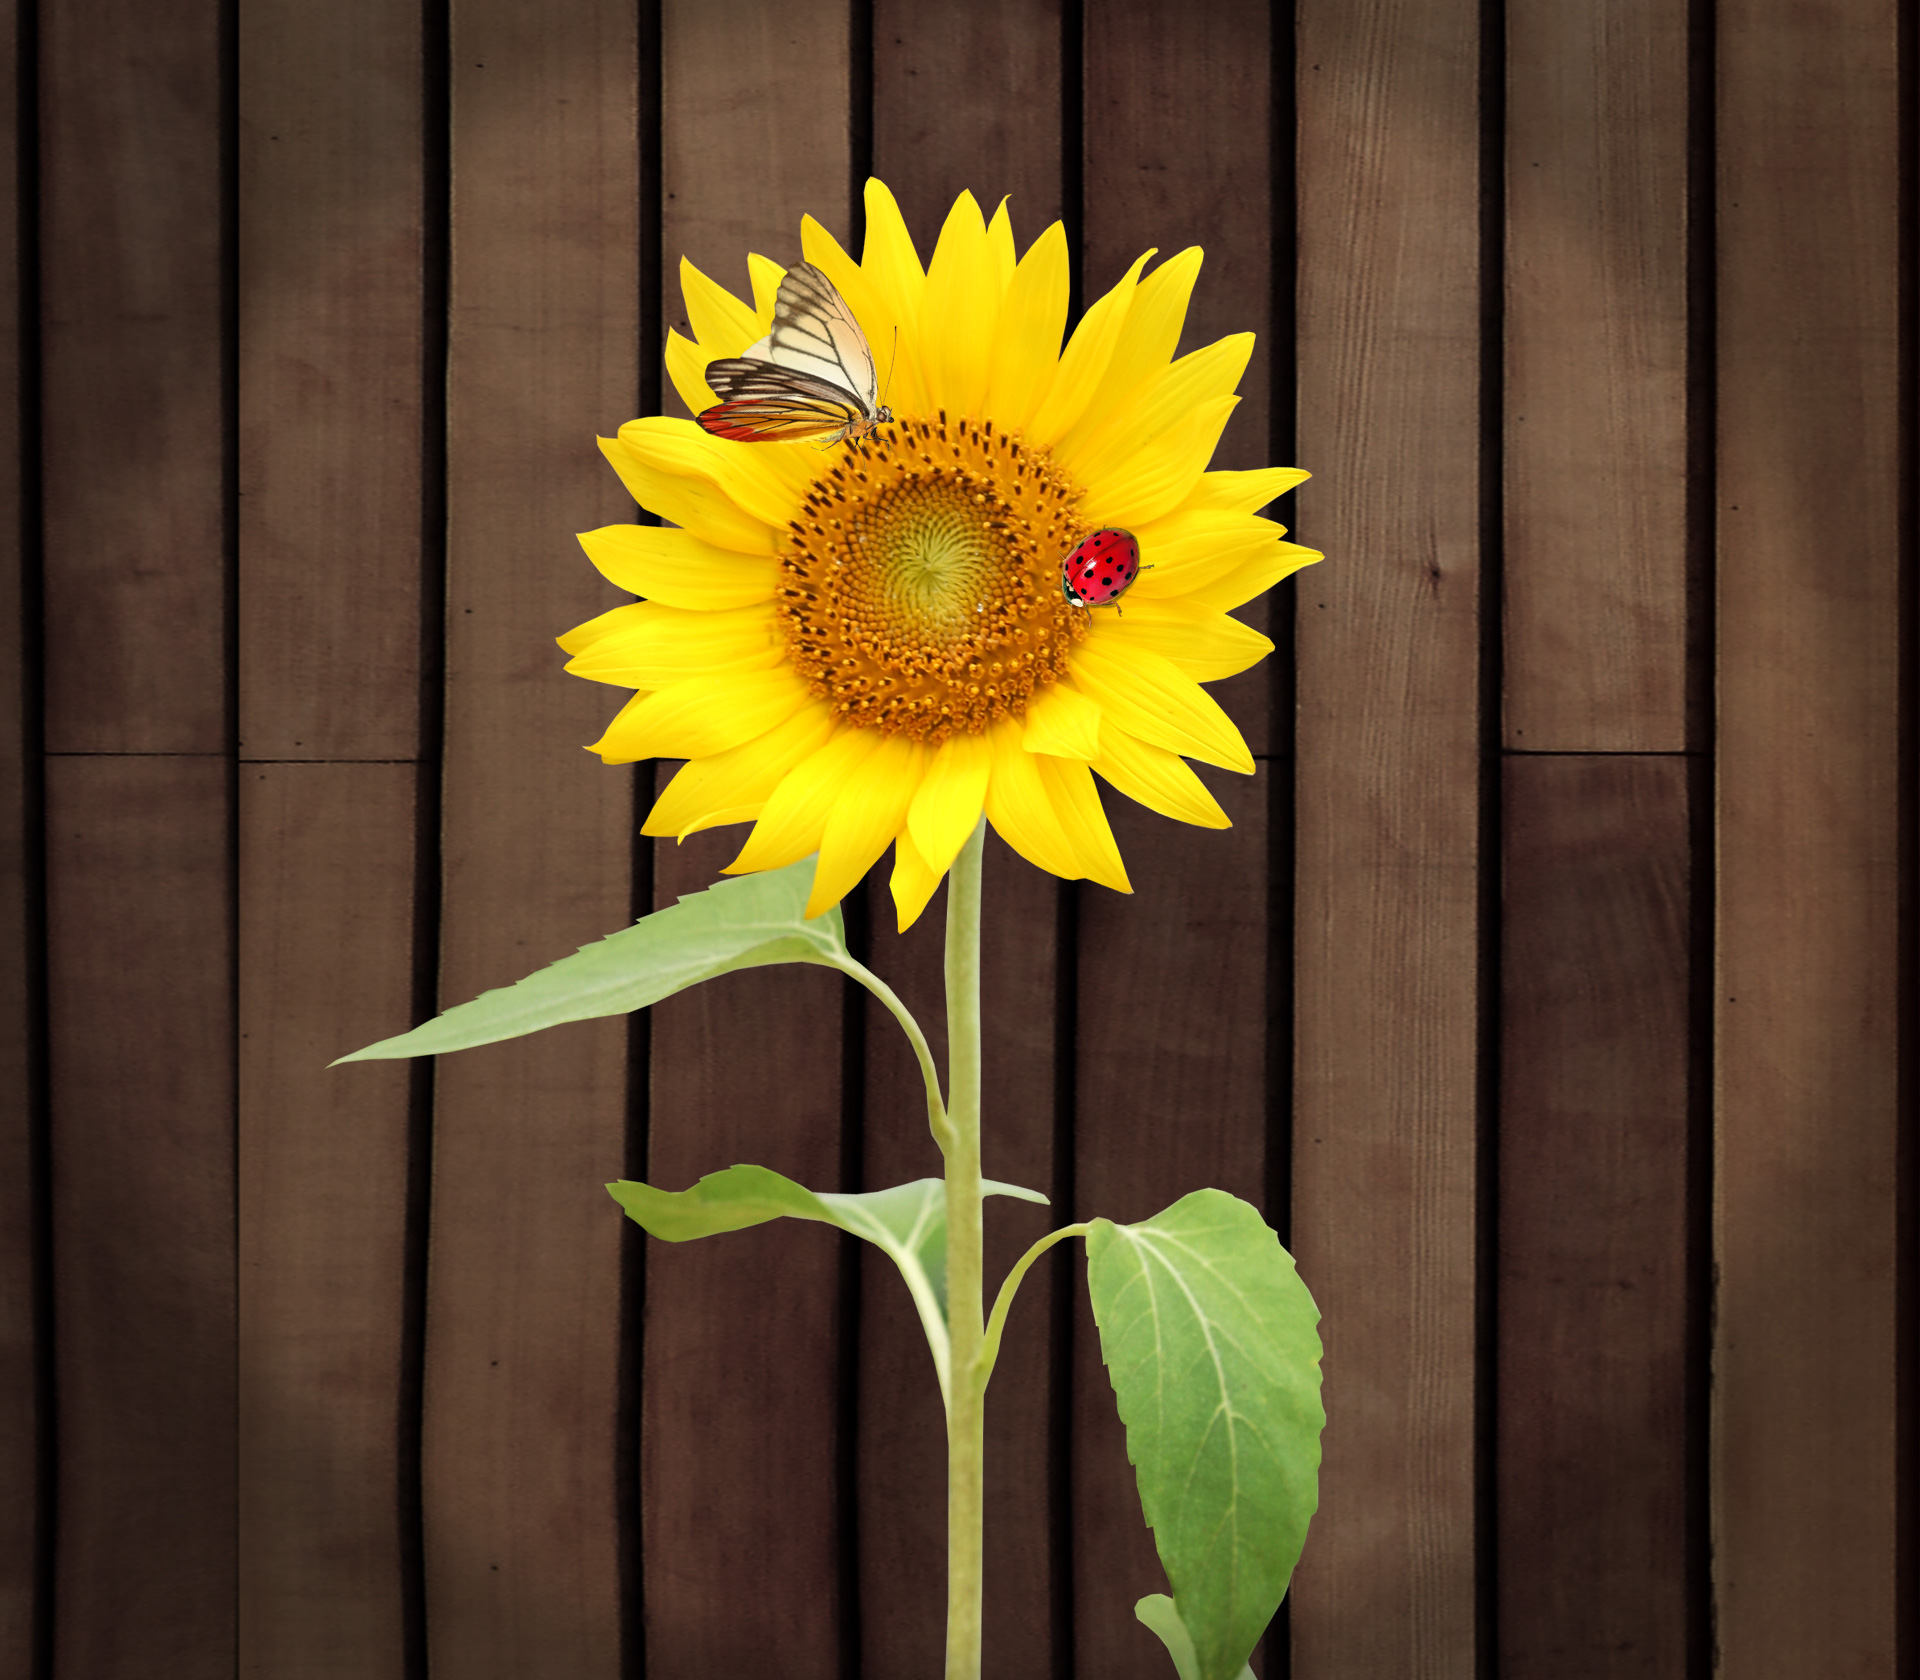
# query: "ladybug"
{"points": [[1101, 569]]}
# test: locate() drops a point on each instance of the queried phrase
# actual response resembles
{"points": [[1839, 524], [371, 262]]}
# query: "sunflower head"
{"points": [[869, 644]]}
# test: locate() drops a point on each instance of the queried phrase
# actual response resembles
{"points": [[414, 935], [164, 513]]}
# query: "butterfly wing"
{"points": [[763, 402], [814, 332]]}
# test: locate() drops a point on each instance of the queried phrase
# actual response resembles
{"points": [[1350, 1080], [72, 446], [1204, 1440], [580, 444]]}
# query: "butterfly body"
{"points": [[1101, 569], [811, 377]]}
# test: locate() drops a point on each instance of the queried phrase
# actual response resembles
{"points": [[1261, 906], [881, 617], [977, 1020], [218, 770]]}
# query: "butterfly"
{"points": [[813, 373]]}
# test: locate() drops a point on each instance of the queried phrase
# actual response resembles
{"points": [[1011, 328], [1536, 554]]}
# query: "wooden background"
{"points": [[1552, 991]]}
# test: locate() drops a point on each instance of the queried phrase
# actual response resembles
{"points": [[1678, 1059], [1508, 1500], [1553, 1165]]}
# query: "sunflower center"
{"points": [[920, 587]]}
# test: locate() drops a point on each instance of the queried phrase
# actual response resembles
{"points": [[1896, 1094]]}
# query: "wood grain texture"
{"points": [[330, 327], [21, 892], [1177, 152], [753, 135], [131, 418], [967, 99], [523, 1291], [741, 1428], [1595, 586], [326, 885], [142, 1033], [1171, 1096], [902, 1435], [1592, 1464], [1809, 508], [1387, 792]]}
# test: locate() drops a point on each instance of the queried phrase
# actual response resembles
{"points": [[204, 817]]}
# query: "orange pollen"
{"points": [[920, 586]]}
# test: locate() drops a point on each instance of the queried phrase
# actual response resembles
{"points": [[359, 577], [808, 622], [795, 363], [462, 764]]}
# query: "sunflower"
{"points": [[869, 645]]}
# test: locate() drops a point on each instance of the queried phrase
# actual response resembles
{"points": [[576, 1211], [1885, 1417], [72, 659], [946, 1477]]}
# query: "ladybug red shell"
{"points": [[1101, 569]]}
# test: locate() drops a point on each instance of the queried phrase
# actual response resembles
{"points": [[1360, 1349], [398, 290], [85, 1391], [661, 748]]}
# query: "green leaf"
{"points": [[1208, 1336], [744, 923], [908, 1222], [1157, 1611]]}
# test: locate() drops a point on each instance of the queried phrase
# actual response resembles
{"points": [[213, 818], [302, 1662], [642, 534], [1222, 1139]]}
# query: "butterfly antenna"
{"points": [[892, 357]]}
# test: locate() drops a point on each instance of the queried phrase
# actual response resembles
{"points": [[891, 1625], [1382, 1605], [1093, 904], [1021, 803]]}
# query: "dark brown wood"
{"points": [[1386, 916], [326, 885], [20, 892], [1591, 1431], [1171, 1096], [524, 1290], [142, 1032], [741, 1424], [998, 135], [330, 276], [131, 427], [1204, 178], [741, 1432], [1594, 574], [967, 99], [1810, 464]]}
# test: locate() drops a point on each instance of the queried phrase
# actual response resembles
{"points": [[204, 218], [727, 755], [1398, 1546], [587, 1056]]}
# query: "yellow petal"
{"points": [[1145, 695], [1020, 808], [952, 794], [892, 266], [765, 275], [687, 368], [1000, 245], [696, 504], [1160, 780], [652, 646], [594, 631], [760, 479], [742, 778], [962, 302], [1148, 338], [1026, 344], [871, 810], [1200, 641], [895, 343], [1076, 804], [1153, 481], [1244, 492], [1188, 549], [677, 569], [1237, 587], [1063, 722], [702, 715], [1159, 405], [797, 810], [913, 881], [1084, 362], [722, 325]]}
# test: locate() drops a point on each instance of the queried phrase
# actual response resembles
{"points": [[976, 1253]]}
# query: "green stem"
{"points": [[990, 1347], [966, 1284], [936, 1110]]}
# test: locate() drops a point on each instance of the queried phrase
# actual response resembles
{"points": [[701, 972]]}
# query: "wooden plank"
{"points": [[22, 889], [141, 1025], [1205, 180], [967, 98], [1806, 1462], [903, 1535], [1595, 559], [523, 1273], [1170, 996], [1387, 791], [743, 1525], [740, 1428], [326, 891], [1000, 66], [330, 254], [753, 135], [1591, 1430], [131, 421], [1171, 1096]]}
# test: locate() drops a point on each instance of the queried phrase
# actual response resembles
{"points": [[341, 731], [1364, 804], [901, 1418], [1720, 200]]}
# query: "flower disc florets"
{"points": [[920, 590]]}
